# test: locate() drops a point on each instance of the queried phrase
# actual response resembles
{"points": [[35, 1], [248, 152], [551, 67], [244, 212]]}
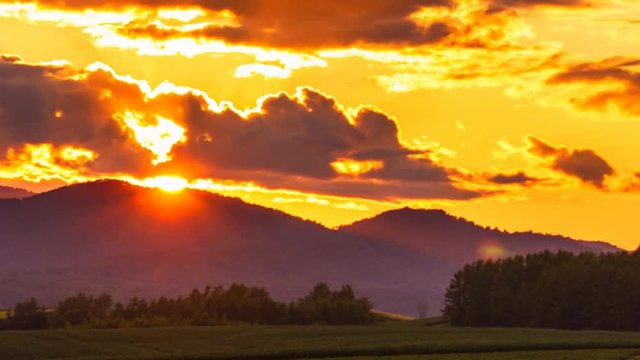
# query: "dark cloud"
{"points": [[519, 178], [286, 142], [296, 24], [301, 136], [621, 73], [585, 165], [389, 190], [10, 58], [530, 3], [38, 105]]}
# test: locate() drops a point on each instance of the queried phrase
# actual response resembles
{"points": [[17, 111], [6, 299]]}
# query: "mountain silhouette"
{"points": [[111, 236], [13, 193], [455, 239]]}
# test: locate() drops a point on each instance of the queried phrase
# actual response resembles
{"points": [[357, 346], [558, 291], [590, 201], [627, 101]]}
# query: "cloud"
{"points": [[40, 104], [632, 185], [321, 202], [99, 123], [299, 138], [421, 43], [585, 165], [532, 3], [376, 25], [613, 82], [288, 24], [518, 178]]}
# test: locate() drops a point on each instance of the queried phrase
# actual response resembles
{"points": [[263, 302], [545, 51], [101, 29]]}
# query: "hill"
{"points": [[126, 240], [439, 234], [13, 193]]}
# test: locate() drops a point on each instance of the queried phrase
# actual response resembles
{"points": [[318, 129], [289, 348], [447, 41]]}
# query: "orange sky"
{"points": [[516, 114]]}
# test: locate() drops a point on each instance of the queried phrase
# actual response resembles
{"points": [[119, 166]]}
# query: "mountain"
{"points": [[455, 239], [126, 240], [13, 193], [110, 236]]}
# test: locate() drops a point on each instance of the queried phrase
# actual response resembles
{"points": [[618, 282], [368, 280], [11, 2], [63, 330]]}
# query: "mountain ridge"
{"points": [[451, 237], [8, 192], [133, 241], [440, 214]]}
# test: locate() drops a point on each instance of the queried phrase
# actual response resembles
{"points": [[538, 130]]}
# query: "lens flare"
{"points": [[492, 250]]}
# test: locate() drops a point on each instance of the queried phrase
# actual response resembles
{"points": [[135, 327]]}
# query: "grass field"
{"points": [[397, 341], [606, 354]]}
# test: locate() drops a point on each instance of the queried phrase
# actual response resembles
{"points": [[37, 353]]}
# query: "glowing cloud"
{"points": [[159, 138], [602, 85], [355, 167], [306, 139], [423, 43], [39, 162]]}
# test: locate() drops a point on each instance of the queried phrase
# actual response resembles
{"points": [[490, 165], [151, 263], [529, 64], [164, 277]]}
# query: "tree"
{"points": [[561, 290], [28, 315]]}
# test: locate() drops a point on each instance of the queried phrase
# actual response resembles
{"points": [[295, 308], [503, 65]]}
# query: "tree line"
{"points": [[552, 290], [212, 306]]}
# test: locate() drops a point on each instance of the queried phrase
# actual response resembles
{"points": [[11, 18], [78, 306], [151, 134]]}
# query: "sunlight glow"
{"points": [[183, 15], [266, 70], [35, 13], [166, 183], [355, 167]]}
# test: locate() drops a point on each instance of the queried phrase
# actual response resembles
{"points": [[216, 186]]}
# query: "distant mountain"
{"points": [[13, 193], [126, 240], [115, 237], [439, 234]]}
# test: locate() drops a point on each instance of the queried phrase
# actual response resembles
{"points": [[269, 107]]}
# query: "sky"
{"points": [[516, 114]]}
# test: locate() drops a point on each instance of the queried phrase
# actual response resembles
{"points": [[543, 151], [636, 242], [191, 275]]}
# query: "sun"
{"points": [[167, 183]]}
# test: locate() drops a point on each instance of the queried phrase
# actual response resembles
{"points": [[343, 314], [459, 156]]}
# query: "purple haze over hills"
{"points": [[110, 236]]}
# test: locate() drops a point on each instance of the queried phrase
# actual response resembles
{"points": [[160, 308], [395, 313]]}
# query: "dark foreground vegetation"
{"points": [[212, 306], [551, 290], [396, 340]]}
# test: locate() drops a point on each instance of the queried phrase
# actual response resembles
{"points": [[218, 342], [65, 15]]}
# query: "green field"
{"points": [[397, 341], [606, 354]]}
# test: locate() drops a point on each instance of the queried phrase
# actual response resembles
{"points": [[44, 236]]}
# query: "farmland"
{"points": [[395, 340]]}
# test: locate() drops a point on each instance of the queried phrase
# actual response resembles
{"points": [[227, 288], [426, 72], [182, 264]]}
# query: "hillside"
{"points": [[115, 237], [126, 240], [13, 193], [439, 234]]}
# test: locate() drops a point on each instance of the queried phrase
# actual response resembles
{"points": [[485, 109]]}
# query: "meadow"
{"points": [[403, 340]]}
